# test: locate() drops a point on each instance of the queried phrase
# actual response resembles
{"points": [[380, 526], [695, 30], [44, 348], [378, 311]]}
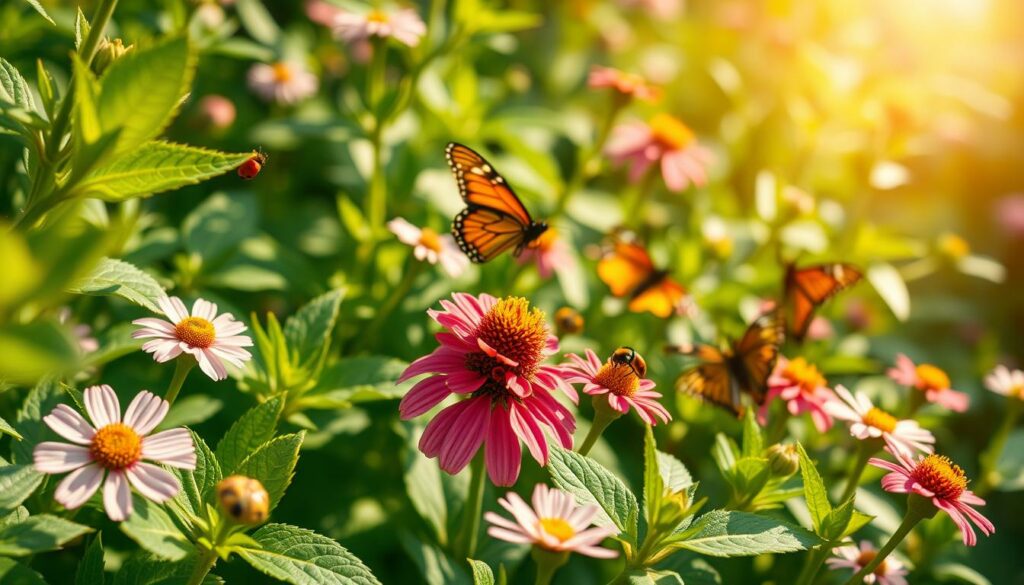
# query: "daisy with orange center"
{"points": [[405, 26], [870, 422], [284, 82], [116, 449], [1009, 383], [888, 572], [665, 141], [430, 246], [551, 253], [929, 380], [803, 388], [629, 85]]}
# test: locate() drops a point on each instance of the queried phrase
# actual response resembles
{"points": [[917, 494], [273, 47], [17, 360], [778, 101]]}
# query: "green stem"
{"points": [[412, 270], [634, 212], [990, 458], [203, 567], [183, 365], [777, 428], [474, 507], [376, 204], [918, 508], [587, 166], [812, 564], [865, 450], [604, 414], [548, 562]]}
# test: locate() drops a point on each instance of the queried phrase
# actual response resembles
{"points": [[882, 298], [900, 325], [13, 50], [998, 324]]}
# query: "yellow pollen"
{"points": [[940, 475], [671, 132], [930, 377], [116, 446], [620, 379], [430, 239], [954, 246], [803, 374], [881, 420], [282, 73], [516, 331], [868, 556], [377, 16], [196, 332], [558, 528]]}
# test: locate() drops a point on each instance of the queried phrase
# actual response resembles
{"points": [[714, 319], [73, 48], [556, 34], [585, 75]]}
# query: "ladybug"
{"points": [[627, 356], [244, 499], [250, 168]]}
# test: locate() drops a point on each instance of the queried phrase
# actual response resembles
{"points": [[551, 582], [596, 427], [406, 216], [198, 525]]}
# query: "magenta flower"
{"points": [[889, 572], [492, 353], [803, 388], [665, 141], [626, 84], [937, 478], [928, 379], [621, 383], [551, 254], [870, 422]]}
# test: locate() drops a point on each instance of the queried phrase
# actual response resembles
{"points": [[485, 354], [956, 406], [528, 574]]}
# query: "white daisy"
{"points": [[285, 82], [870, 422], [1007, 382], [431, 246], [404, 25]]}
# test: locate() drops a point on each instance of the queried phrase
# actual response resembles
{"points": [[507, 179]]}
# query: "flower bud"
{"points": [[108, 52], [244, 499], [568, 321], [953, 246], [783, 460], [215, 113]]}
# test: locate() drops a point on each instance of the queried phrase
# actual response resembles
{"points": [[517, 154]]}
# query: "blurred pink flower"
{"points": [[1009, 383], [660, 9], [216, 112], [116, 447], [870, 422], [889, 572], [555, 523], [803, 388], [404, 25], [928, 379], [627, 84], [622, 383], [551, 254], [283, 82], [1009, 212], [322, 12], [665, 141], [820, 329], [492, 352], [81, 332], [937, 478], [431, 246]]}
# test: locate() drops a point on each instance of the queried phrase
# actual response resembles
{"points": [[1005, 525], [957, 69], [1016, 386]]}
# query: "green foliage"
{"points": [[722, 533], [254, 429], [117, 277], [482, 574], [152, 528], [17, 483], [592, 483], [197, 485], [38, 534], [90, 570], [303, 557], [274, 464]]}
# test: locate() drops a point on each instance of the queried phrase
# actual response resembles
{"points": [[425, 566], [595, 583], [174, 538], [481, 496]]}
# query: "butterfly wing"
{"points": [[711, 379], [755, 354], [807, 288], [482, 186], [483, 233], [625, 268], [660, 298]]}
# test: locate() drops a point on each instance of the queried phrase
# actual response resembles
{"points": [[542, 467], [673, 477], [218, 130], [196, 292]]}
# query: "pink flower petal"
{"points": [[145, 412], [172, 447], [53, 457], [426, 394], [76, 489], [153, 482], [472, 428], [117, 496], [502, 453], [66, 422]]}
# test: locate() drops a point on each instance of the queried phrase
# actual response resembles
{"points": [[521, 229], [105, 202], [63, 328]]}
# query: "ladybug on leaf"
{"points": [[250, 168]]}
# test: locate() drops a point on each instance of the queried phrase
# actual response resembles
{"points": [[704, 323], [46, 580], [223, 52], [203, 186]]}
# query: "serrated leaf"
{"points": [[753, 440], [90, 568], [303, 557], [858, 520], [253, 429], [197, 486], [308, 331], [152, 528], [81, 28], [835, 522], [17, 483], [274, 464], [673, 473], [721, 533], [482, 574], [154, 167], [652, 577], [117, 277], [42, 11], [142, 568], [814, 490], [654, 485], [38, 534], [591, 483], [13, 87]]}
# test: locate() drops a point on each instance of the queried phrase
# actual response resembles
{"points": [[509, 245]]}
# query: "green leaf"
{"points": [[724, 453], [154, 530], [308, 331], [436, 567], [303, 557], [814, 490], [142, 568], [357, 379], [81, 28], [191, 410], [274, 464], [140, 92], [197, 486], [117, 277], [13, 87], [424, 486], [833, 526], [32, 350], [258, 22], [673, 473], [90, 568], [653, 577], [38, 534], [750, 475], [47, 89], [720, 533], [219, 224], [42, 399], [858, 520], [591, 483], [17, 483], [753, 440], [959, 573], [248, 433], [654, 485], [154, 167], [890, 286], [87, 125], [42, 11], [14, 573], [482, 574]]}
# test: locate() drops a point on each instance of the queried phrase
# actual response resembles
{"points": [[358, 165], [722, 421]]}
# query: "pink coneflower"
{"points": [[937, 478], [550, 252], [870, 422], [215, 112], [284, 82], [626, 84], [405, 26], [1006, 382], [116, 447], [555, 523], [888, 572], [820, 329], [622, 382], [930, 380], [322, 12], [666, 141], [210, 338], [492, 352], [803, 388], [431, 246]]}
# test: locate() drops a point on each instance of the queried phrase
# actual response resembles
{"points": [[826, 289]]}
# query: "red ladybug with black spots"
{"points": [[252, 167]]}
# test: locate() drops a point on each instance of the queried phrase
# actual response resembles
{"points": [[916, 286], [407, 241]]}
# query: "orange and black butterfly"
{"points": [[628, 271], [494, 219], [724, 375], [807, 288]]}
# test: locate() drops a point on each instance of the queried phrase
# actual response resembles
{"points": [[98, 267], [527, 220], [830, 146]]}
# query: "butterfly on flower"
{"points": [[628, 271], [808, 288], [744, 366], [494, 219]]}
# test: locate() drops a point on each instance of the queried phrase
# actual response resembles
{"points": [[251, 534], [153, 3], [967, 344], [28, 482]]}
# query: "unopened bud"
{"points": [[244, 499], [108, 52], [783, 460]]}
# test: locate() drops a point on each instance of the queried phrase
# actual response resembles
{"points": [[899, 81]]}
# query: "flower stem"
{"points": [[634, 212], [203, 567], [604, 414], [547, 562], [183, 365], [376, 202], [399, 293], [990, 458], [865, 450], [473, 510], [918, 508], [812, 564]]}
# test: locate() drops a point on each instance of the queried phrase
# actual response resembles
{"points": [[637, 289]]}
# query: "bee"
{"points": [[244, 499], [627, 356], [252, 167], [568, 320]]}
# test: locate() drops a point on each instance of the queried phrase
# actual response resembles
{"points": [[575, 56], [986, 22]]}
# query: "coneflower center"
{"points": [[881, 420], [671, 132], [282, 73], [803, 374], [430, 239], [116, 446], [931, 378], [620, 379], [518, 333], [558, 528], [869, 555], [196, 332], [941, 476]]}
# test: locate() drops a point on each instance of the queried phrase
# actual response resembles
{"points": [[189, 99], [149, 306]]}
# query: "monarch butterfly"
{"points": [[744, 366], [629, 271], [807, 288], [494, 219]]}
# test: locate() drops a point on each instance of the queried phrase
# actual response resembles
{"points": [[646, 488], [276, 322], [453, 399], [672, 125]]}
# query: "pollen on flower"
{"points": [[869, 555], [196, 332], [671, 132], [941, 476], [804, 374], [931, 378], [620, 379], [282, 72], [377, 16], [881, 420], [558, 528], [116, 446], [430, 239]]}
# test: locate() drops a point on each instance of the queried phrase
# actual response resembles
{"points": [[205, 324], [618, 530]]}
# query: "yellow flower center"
{"points": [[546, 240], [282, 73], [868, 556], [517, 332], [940, 475], [116, 446], [930, 377], [558, 528], [954, 246], [430, 239], [196, 332], [670, 132], [881, 420], [377, 16], [803, 374], [620, 379]]}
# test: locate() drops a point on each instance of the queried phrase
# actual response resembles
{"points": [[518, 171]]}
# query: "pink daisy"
{"points": [[889, 572], [493, 353], [621, 380], [116, 447], [431, 246], [551, 254], [405, 26], [803, 388], [665, 141], [210, 338], [937, 478], [630, 85], [928, 379], [555, 523], [870, 422], [284, 82], [1006, 382]]}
